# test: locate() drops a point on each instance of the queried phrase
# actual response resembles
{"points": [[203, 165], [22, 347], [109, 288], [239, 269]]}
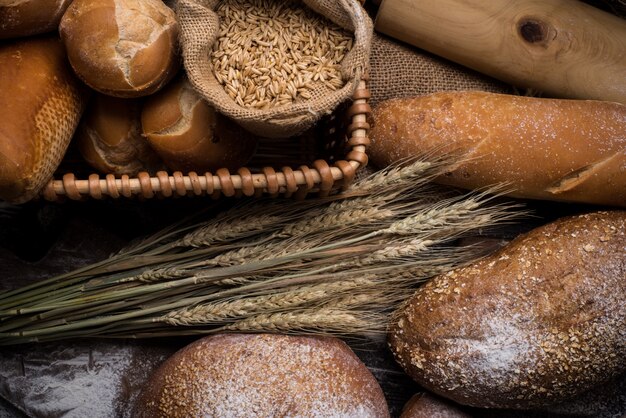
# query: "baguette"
{"points": [[42, 102], [550, 149], [539, 322]]}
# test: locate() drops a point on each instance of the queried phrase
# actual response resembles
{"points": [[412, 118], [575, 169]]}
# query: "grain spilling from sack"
{"points": [[271, 53]]}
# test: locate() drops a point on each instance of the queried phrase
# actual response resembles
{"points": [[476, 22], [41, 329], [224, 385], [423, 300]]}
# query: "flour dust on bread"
{"points": [[535, 324], [550, 149], [263, 375]]}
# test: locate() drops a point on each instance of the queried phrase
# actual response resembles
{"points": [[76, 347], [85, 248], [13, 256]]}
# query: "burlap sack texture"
{"points": [[399, 70], [199, 26]]}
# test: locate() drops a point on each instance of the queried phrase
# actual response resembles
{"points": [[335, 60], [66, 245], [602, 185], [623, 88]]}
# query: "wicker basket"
{"points": [[323, 160]]}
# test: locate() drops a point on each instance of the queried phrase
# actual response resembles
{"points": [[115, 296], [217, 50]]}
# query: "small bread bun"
{"points": [[426, 405], [123, 48], [30, 17], [190, 135], [262, 375], [42, 102], [109, 137]]}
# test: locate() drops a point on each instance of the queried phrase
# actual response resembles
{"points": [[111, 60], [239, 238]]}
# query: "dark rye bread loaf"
{"points": [[263, 375], [538, 322]]}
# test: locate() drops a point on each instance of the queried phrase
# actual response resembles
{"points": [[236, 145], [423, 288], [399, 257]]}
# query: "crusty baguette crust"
{"points": [[552, 149], [41, 102], [540, 321]]}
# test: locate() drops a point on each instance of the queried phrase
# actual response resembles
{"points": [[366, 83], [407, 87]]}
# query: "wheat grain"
{"points": [[218, 312], [270, 53], [321, 321]]}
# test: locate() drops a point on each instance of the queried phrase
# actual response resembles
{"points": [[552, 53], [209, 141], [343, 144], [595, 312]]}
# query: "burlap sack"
{"points": [[199, 26], [400, 70]]}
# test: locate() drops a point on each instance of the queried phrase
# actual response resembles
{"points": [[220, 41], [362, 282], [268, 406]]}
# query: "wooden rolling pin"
{"points": [[564, 48]]}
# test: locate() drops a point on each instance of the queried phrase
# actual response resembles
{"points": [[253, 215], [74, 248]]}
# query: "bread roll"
{"points": [[537, 323], [425, 405], [123, 48], [30, 17], [109, 137], [567, 150], [262, 375], [41, 102], [190, 135]]}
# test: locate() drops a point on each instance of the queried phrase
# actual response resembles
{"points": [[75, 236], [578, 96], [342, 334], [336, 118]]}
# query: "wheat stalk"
{"points": [[216, 312], [336, 265]]}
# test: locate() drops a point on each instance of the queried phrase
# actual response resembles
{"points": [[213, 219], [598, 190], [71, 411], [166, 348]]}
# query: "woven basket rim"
{"points": [[318, 177]]}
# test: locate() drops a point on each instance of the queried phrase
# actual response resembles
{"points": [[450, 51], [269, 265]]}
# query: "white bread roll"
{"points": [[551, 149], [42, 102], [190, 135], [123, 48], [109, 137], [262, 375], [30, 17]]}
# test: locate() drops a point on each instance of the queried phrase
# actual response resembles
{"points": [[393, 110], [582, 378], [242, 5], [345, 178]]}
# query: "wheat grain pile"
{"points": [[270, 53]]}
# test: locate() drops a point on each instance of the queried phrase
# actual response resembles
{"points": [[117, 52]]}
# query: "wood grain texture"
{"points": [[564, 48]]}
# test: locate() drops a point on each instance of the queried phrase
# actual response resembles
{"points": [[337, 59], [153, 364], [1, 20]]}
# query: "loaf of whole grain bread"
{"points": [[552, 149], [537, 323]]}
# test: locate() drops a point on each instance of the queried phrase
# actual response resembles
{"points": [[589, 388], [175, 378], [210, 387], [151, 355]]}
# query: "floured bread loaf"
{"points": [[30, 17], [537, 323], [41, 102], [426, 405], [263, 375], [123, 48]]}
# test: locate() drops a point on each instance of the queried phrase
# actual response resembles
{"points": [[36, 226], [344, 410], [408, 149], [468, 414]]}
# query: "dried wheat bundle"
{"points": [[333, 266]]}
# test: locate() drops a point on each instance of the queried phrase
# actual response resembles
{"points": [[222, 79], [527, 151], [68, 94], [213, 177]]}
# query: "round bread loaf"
{"points": [[30, 17], [425, 405], [538, 322], [109, 137], [124, 48], [190, 135], [262, 375], [41, 102]]}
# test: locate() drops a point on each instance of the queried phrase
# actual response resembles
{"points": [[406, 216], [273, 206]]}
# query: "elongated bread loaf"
{"points": [[41, 102], [552, 149]]}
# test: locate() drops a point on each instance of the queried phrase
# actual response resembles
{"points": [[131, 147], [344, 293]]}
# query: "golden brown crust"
{"points": [[539, 322], [123, 48], [30, 17], [569, 150], [42, 103], [190, 135], [426, 405], [109, 137], [263, 375]]}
